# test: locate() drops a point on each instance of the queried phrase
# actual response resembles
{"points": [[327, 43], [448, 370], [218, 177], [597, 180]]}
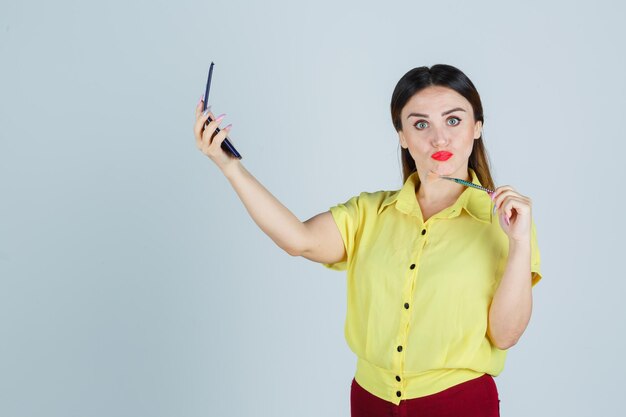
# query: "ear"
{"points": [[402, 140], [478, 129]]}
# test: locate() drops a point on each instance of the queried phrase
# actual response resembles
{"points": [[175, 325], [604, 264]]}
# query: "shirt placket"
{"points": [[405, 322]]}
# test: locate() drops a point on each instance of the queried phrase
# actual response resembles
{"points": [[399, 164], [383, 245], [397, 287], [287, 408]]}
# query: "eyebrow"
{"points": [[443, 114]]}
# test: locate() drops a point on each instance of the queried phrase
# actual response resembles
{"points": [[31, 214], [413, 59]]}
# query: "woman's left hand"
{"points": [[514, 212]]}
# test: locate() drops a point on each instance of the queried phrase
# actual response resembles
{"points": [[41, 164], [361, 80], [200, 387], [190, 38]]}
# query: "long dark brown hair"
{"points": [[446, 76]]}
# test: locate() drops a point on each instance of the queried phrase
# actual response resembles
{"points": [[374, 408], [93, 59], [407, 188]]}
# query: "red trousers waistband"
{"points": [[474, 398]]}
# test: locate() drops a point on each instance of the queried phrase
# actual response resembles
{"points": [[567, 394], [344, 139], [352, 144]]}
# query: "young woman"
{"points": [[440, 275]]}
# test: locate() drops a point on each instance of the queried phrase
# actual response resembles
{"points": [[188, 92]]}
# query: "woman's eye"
{"points": [[455, 119], [421, 125]]}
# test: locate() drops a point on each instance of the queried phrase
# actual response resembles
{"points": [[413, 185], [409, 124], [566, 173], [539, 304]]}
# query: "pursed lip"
{"points": [[441, 155]]}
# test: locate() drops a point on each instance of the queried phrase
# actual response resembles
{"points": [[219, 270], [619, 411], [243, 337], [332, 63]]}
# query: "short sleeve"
{"points": [[346, 216], [535, 257]]}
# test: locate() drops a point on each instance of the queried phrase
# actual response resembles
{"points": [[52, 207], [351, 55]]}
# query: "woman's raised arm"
{"points": [[317, 239]]}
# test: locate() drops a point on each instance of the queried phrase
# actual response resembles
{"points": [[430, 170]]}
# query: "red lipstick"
{"points": [[441, 156]]}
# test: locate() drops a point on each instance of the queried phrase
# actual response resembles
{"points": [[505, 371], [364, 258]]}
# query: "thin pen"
{"points": [[467, 183]]}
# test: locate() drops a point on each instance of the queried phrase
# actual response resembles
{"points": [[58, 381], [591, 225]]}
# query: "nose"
{"points": [[439, 138]]}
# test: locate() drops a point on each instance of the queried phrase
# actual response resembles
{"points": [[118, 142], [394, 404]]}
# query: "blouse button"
{"points": [[399, 348], [398, 378], [412, 266], [398, 393], [423, 232], [406, 305]]}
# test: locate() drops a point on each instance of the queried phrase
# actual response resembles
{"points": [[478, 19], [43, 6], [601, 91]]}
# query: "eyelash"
{"points": [[424, 121]]}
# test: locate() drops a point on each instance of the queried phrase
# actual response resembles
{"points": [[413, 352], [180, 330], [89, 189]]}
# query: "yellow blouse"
{"points": [[419, 292]]}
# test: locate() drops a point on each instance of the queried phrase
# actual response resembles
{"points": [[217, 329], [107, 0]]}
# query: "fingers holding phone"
{"points": [[208, 141], [212, 137]]}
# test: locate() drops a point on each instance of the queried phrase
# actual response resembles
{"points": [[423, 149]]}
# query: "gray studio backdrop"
{"points": [[134, 283]]}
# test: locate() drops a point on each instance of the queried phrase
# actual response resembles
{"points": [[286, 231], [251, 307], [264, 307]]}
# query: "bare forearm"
{"points": [[511, 306], [276, 221]]}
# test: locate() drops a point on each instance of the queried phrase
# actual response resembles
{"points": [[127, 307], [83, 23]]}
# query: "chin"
{"points": [[443, 169]]}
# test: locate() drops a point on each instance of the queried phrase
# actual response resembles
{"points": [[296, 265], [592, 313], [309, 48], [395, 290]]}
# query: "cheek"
{"points": [[419, 146], [467, 142]]}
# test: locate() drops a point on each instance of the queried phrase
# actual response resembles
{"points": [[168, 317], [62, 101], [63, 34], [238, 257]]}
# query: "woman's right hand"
{"points": [[210, 143]]}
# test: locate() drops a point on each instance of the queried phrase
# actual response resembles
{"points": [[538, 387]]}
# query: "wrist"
{"points": [[519, 244], [232, 169]]}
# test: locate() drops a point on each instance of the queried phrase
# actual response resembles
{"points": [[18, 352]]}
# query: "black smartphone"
{"points": [[226, 145]]}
